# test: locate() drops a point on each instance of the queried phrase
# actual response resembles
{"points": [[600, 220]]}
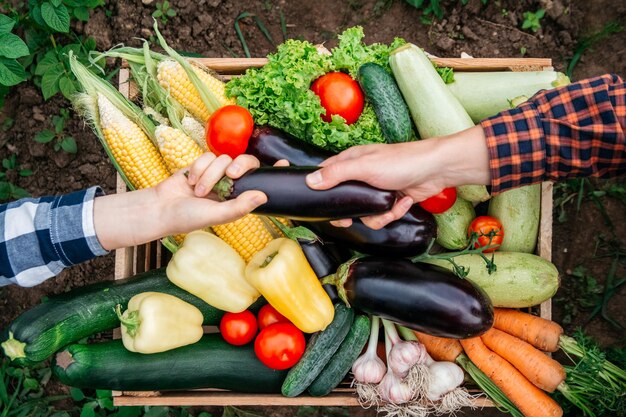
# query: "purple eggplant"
{"points": [[324, 259], [419, 296], [269, 145], [407, 236], [289, 196]]}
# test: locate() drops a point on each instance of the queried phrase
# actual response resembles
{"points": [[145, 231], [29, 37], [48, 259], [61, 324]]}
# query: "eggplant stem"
{"points": [[224, 188], [299, 233], [339, 279]]}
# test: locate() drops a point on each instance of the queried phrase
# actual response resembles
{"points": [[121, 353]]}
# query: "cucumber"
{"points": [[518, 210], [391, 111], [521, 279], [209, 363], [41, 331], [453, 223], [318, 352], [341, 362]]}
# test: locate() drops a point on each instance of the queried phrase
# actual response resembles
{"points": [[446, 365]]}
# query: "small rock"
{"points": [[469, 34], [145, 33], [445, 43], [38, 114], [214, 3], [62, 159], [197, 29], [88, 170], [37, 149], [147, 2]]}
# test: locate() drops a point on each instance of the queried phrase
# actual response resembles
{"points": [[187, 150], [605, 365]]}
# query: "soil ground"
{"points": [[206, 27]]}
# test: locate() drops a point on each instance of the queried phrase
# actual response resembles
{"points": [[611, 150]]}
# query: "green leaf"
{"points": [[50, 80], [5, 190], [416, 3], [44, 136], [35, 13], [66, 85], [88, 409], [68, 144], [48, 60], [6, 164], [157, 13], [171, 12], [6, 23], [128, 412], [11, 46], [81, 13], [57, 18], [540, 13], [56, 3], [102, 393], [26, 172], [205, 414], [77, 394], [11, 72], [89, 44], [157, 412], [31, 383]]}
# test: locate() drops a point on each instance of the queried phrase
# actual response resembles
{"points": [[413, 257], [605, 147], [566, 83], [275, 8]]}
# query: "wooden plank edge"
{"points": [[199, 398], [240, 65]]}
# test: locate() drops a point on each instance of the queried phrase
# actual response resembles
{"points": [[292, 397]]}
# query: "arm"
{"points": [[40, 237], [576, 130]]}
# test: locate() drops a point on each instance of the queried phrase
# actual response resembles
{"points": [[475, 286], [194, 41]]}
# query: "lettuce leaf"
{"points": [[279, 93]]}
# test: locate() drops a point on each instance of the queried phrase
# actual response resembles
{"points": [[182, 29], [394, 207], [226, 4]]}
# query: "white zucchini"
{"points": [[434, 109]]}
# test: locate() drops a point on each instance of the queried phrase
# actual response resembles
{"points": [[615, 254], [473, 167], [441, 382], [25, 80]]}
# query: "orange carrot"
{"points": [[439, 348], [541, 333], [530, 400], [536, 366]]}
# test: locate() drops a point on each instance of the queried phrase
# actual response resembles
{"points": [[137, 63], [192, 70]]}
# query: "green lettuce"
{"points": [[279, 94]]}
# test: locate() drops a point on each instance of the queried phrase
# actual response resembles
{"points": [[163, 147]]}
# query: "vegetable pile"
{"points": [[296, 299]]}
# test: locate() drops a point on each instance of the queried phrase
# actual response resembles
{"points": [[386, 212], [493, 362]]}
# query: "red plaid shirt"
{"points": [[572, 131]]}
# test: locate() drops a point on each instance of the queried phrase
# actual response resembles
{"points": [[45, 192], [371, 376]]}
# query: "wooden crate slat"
{"points": [[129, 261], [234, 66]]}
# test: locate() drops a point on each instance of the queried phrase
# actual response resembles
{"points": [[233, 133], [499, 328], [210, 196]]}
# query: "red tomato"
{"points": [[279, 346], [340, 95], [441, 202], [268, 315], [489, 229], [238, 328], [228, 130]]}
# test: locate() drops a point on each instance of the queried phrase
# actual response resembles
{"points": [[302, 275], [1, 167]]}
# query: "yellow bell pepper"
{"points": [[155, 322], [210, 269], [283, 275]]}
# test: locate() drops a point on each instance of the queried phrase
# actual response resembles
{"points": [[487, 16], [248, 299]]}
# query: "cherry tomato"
{"points": [[489, 229], [238, 328], [441, 202], [228, 130], [340, 95], [279, 346], [268, 315]]}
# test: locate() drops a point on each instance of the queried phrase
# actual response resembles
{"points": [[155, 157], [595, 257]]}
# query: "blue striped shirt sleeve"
{"points": [[39, 237]]}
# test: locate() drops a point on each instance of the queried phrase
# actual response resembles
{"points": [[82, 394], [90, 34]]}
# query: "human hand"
{"points": [[180, 204], [189, 203], [417, 170]]}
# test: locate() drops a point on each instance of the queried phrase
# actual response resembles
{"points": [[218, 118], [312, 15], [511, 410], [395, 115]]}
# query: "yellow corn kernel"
{"points": [[249, 234], [178, 149], [133, 151], [173, 78]]}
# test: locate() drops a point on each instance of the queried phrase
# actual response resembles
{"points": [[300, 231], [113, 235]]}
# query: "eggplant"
{"points": [[419, 296], [408, 236], [269, 145], [289, 196], [324, 259]]}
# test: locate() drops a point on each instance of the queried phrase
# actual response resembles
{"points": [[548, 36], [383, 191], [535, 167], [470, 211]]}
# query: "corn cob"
{"points": [[195, 130], [172, 77], [178, 149], [249, 234], [133, 151]]}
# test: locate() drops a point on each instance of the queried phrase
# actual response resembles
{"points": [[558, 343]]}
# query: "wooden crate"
{"points": [[133, 260]]}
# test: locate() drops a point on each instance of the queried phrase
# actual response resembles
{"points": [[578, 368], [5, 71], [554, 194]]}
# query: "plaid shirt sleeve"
{"points": [[572, 131], [41, 236]]}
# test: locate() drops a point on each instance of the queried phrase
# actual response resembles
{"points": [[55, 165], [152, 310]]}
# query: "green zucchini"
{"points": [[341, 362], [391, 111], [318, 352], [435, 110], [209, 363], [518, 210], [41, 331], [521, 279], [452, 224]]}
